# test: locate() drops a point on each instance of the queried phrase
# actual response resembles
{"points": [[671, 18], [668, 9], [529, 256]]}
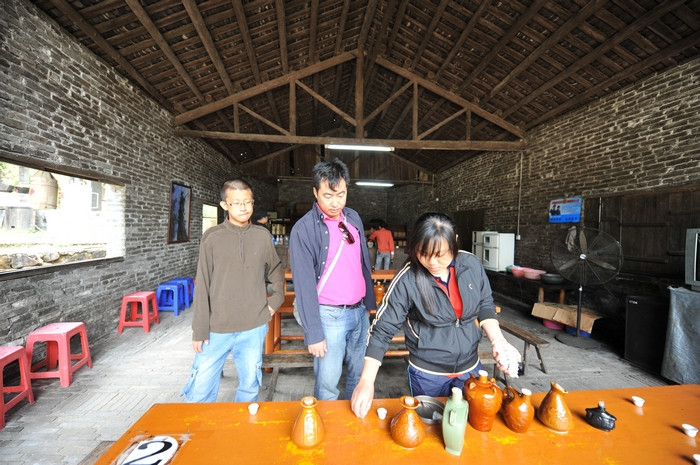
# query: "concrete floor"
{"points": [[135, 370]]}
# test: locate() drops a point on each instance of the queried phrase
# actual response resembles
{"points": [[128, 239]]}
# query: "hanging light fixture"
{"points": [[362, 148]]}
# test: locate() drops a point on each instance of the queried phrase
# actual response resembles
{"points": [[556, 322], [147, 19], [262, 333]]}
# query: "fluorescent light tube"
{"points": [[364, 148], [374, 183]]}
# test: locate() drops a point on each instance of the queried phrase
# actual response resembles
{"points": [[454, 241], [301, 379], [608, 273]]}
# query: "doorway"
{"points": [[468, 221]]}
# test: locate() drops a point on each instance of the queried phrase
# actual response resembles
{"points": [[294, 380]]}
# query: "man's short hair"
{"points": [[332, 171], [236, 184]]}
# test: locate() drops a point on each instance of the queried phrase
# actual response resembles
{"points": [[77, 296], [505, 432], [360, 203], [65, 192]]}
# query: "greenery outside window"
{"points": [[48, 219], [209, 216]]}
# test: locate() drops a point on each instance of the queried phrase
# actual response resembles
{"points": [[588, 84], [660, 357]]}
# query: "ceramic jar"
{"points": [[485, 398], [454, 422], [379, 290], [406, 427], [553, 411], [517, 410], [600, 418], [308, 430]]}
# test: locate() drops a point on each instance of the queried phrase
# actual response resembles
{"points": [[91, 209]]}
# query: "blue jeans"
{"points": [[345, 331], [383, 261], [205, 376], [428, 384]]}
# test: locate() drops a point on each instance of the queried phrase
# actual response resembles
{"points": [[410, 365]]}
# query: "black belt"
{"points": [[349, 307]]}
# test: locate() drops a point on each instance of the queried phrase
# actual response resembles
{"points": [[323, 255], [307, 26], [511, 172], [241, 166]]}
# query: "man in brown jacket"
{"points": [[231, 305]]}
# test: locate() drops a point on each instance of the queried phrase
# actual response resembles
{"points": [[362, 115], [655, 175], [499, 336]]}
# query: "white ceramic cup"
{"points": [[253, 408], [381, 413], [638, 401], [690, 430]]}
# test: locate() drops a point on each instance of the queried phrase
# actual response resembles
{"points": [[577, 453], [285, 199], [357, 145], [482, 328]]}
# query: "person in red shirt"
{"points": [[385, 246]]}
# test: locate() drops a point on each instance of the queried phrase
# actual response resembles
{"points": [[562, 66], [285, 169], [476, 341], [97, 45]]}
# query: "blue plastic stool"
{"points": [[188, 284], [171, 297]]}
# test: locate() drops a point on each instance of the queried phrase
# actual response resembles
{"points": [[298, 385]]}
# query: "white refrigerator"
{"points": [[496, 250]]}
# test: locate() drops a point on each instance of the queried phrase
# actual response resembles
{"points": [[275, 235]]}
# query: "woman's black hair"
{"points": [[426, 239]]}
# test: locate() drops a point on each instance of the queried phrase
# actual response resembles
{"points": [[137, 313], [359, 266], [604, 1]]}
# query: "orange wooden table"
{"points": [[223, 433], [274, 338]]}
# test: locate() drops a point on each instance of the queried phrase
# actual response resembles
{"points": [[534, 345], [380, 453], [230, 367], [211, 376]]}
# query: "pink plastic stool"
{"points": [[10, 354], [59, 359], [141, 314]]}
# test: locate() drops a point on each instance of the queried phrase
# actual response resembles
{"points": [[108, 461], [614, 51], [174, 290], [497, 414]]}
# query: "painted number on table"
{"points": [[157, 450]]}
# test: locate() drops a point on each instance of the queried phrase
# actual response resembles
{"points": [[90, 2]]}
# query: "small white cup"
{"points": [[253, 408], [381, 413], [690, 430], [638, 401], [696, 457]]}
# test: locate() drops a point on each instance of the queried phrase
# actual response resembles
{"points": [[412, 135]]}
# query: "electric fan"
{"points": [[585, 256]]}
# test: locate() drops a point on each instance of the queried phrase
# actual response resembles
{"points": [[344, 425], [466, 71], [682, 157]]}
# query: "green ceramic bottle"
{"points": [[454, 422]]}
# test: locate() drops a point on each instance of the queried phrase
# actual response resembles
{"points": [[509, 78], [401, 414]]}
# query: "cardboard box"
{"points": [[566, 314]]}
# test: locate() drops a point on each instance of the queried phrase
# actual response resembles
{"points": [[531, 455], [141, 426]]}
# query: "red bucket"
{"points": [[552, 324]]}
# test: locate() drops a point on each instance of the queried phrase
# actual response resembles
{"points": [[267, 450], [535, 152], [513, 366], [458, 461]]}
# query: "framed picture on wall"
{"points": [[179, 219]]}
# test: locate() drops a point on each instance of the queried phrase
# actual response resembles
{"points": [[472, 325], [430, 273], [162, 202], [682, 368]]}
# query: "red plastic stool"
{"points": [[10, 354], [141, 314], [59, 359]]}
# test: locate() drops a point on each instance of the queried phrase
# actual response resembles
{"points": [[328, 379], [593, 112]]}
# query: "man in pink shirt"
{"points": [[332, 282]]}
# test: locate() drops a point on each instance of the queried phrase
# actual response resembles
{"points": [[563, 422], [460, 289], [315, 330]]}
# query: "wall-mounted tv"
{"points": [[692, 258], [566, 210]]}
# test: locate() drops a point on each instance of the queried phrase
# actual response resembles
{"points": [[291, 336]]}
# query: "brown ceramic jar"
{"points": [[379, 290], [485, 398], [553, 411], [517, 410], [308, 430], [406, 427]]}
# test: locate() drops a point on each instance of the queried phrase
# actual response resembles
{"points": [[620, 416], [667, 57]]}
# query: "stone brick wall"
{"points": [[643, 137], [65, 109]]}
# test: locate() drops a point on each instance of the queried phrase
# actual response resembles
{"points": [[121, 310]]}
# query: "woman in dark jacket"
{"points": [[442, 298]]}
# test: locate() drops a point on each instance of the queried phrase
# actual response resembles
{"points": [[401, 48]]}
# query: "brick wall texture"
{"points": [[642, 138], [66, 109]]}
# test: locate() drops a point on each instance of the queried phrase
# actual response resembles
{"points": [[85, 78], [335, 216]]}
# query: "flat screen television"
{"points": [[692, 258]]}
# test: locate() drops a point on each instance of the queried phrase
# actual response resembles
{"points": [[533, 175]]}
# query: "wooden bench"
{"points": [[303, 359], [529, 339]]}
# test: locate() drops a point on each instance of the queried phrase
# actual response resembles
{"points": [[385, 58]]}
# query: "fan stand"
{"points": [[577, 341]]}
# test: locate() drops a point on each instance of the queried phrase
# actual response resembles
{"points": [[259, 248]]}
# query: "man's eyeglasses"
{"points": [[246, 203], [346, 233]]}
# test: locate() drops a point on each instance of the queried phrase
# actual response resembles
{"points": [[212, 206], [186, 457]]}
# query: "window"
{"points": [[209, 216], [48, 219]]}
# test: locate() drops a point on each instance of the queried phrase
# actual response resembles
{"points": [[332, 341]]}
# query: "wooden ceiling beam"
{"points": [[429, 33], [338, 49], [204, 35], [209, 108], [549, 43], [282, 34], [660, 10], [258, 116], [160, 41], [327, 103], [397, 143], [684, 44], [252, 59], [447, 95], [388, 101], [110, 51], [502, 42], [466, 33]]}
